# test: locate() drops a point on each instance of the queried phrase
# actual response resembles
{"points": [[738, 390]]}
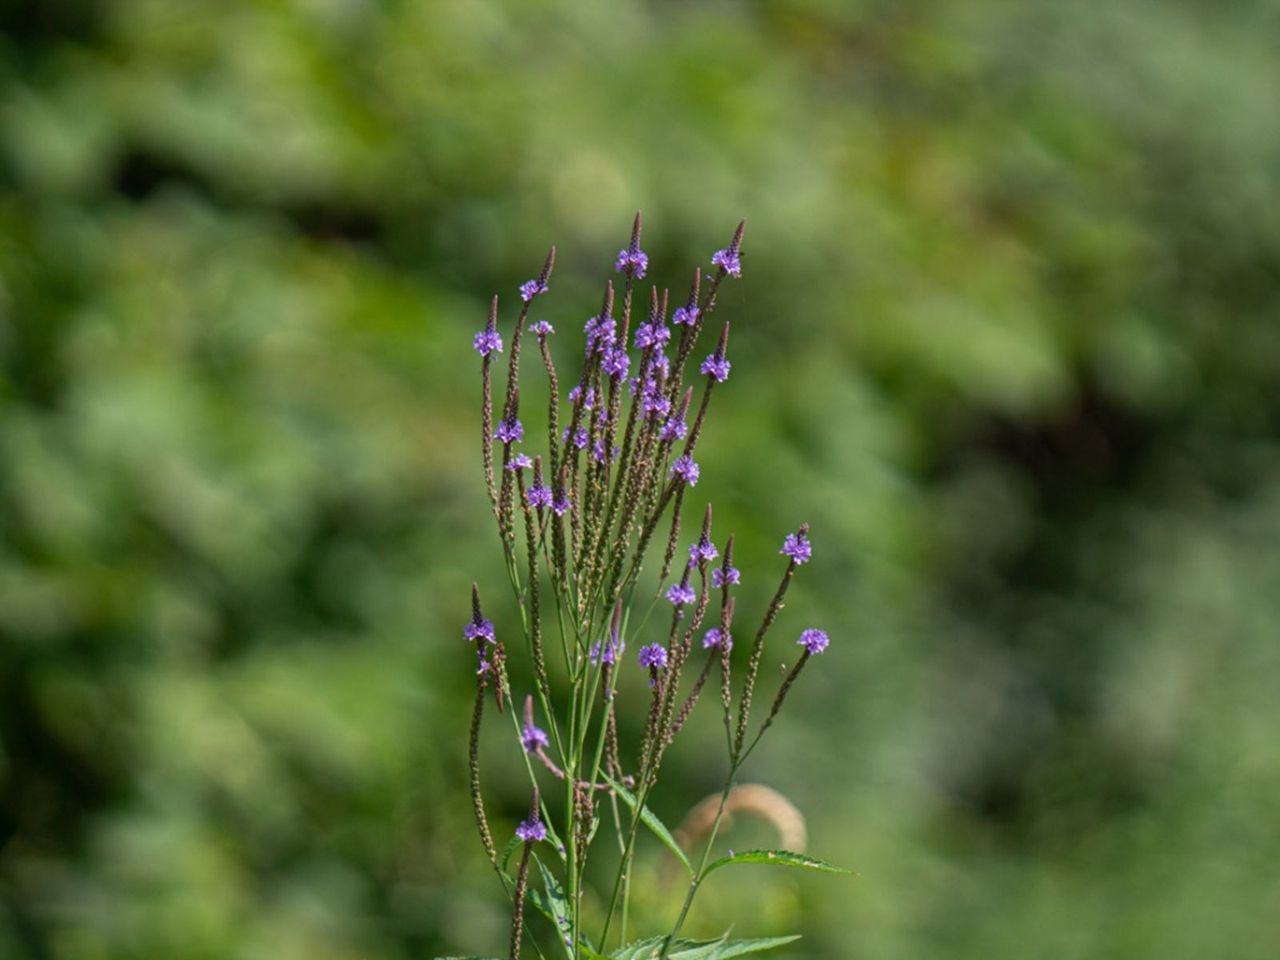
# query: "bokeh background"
{"points": [[1008, 335]]}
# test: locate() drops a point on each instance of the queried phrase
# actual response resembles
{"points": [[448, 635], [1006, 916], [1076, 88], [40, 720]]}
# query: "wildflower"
{"points": [[541, 328], [813, 641], [717, 366], [633, 259], [521, 461], [729, 260], [702, 550], [539, 495], [509, 431], [602, 333], [652, 335], [713, 637], [615, 363], [560, 504], [655, 402], [797, 547], [482, 629], [488, 340], [674, 429], [533, 738], [579, 437], [654, 656], [608, 652], [680, 594], [531, 288], [686, 316], [720, 577], [531, 830], [597, 452], [687, 469]]}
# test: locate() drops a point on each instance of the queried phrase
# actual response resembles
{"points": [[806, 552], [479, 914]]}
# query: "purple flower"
{"points": [[482, 630], [509, 431], [597, 452], [717, 367], [533, 738], [531, 288], [652, 335], [541, 328], [674, 429], [660, 366], [680, 594], [539, 495], [797, 547], [729, 259], [486, 341], [632, 259], [702, 550], [719, 578], [602, 333], [686, 316], [655, 402], [588, 402], [712, 639], [654, 656], [521, 461], [531, 830], [814, 641], [579, 437], [609, 653], [687, 469], [615, 363], [561, 503]]}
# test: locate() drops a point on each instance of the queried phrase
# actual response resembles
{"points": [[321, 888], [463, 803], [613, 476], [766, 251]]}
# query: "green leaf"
{"points": [[718, 949], [556, 909], [650, 820], [511, 848], [782, 858]]}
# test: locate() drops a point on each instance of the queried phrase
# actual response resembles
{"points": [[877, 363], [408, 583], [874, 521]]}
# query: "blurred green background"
{"points": [[1007, 335]]}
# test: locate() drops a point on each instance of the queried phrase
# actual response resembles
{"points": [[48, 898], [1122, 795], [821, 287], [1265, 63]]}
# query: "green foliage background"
{"points": [[1007, 336]]}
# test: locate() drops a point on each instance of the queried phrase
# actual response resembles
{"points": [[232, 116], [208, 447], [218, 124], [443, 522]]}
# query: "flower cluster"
{"points": [[579, 524]]}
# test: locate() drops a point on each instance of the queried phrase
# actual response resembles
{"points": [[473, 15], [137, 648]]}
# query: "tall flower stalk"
{"points": [[620, 456]]}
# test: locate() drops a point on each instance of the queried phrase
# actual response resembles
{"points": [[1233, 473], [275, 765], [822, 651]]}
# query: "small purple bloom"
{"points": [[615, 363], [531, 288], [521, 461], [487, 341], [482, 630], [533, 738], [632, 259], [685, 316], [602, 333], [539, 495], [814, 641], [712, 639], [719, 578], [797, 547], [509, 431], [652, 335], [531, 830], [680, 594], [687, 469], [609, 653], [653, 656], [702, 550], [580, 438], [541, 328], [660, 366], [560, 504], [717, 367], [655, 403], [588, 402], [674, 429], [597, 452], [729, 259]]}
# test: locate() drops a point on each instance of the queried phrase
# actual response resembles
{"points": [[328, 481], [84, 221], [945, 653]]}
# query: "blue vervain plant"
{"points": [[619, 458]]}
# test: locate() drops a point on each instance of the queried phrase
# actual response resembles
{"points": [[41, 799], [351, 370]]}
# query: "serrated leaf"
{"points": [[718, 949], [556, 907], [650, 820], [781, 858]]}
